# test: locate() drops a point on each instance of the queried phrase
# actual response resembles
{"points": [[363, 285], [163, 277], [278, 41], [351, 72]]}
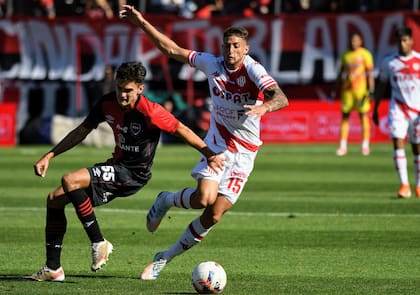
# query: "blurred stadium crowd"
{"points": [[196, 8]]}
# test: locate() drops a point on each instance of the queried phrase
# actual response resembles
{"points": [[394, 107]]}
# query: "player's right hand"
{"points": [[130, 13], [41, 167]]}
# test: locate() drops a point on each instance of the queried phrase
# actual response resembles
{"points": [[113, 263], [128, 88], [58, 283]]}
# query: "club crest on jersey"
{"points": [[416, 66], [241, 81], [135, 128]]}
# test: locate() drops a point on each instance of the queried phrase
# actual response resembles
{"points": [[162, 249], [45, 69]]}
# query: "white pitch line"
{"points": [[235, 213]]}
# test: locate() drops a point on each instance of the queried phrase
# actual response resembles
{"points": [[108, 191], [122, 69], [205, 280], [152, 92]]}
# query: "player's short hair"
{"points": [[402, 32], [240, 32], [354, 33], [131, 71]]}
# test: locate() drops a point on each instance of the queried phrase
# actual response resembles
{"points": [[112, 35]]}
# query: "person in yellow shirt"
{"points": [[357, 87]]}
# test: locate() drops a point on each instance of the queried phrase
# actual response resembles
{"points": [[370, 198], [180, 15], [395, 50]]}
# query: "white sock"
{"points": [[192, 235], [365, 144], [400, 161], [417, 169], [343, 144], [180, 199]]}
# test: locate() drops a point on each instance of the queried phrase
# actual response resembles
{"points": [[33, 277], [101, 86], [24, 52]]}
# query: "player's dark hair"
{"points": [[236, 31], [131, 71], [402, 32], [352, 34]]}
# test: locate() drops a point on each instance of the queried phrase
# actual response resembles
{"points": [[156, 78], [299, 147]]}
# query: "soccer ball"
{"points": [[209, 278]]}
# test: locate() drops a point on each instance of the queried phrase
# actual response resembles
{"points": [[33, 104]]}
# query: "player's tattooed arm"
{"points": [[276, 101]]}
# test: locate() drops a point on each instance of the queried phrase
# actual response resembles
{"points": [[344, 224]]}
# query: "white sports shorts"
{"points": [[404, 123], [232, 179]]}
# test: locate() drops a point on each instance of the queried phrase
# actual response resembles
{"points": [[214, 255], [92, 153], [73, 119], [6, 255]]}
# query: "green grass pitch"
{"points": [[308, 222]]}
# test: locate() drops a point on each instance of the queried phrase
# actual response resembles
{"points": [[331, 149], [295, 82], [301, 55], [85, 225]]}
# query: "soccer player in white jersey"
{"points": [[238, 86], [402, 71]]}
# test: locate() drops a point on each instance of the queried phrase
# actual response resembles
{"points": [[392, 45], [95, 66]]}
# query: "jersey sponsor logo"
{"points": [[135, 128], [228, 113], [129, 148], [400, 77], [239, 98], [238, 174]]}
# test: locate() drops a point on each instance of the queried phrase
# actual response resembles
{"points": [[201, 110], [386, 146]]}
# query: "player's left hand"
{"points": [[256, 110]]}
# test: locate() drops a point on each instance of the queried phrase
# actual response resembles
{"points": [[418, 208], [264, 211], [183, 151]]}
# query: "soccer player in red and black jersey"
{"points": [[136, 123]]}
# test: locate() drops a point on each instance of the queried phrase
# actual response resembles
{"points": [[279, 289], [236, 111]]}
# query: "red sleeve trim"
{"points": [[158, 115]]}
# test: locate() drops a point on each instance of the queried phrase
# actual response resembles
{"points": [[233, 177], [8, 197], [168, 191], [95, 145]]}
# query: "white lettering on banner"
{"points": [[191, 28], [50, 50], [311, 53], [276, 49], [9, 29], [389, 25], [256, 40], [384, 47]]}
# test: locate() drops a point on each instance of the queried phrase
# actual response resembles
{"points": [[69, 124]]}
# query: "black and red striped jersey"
{"points": [[136, 131]]}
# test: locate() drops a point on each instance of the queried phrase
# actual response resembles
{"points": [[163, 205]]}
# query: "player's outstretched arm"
{"points": [[214, 161], [162, 42], [72, 139], [278, 100]]}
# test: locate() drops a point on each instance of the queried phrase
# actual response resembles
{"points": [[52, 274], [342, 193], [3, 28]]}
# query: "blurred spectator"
{"points": [[172, 101], [258, 7], [184, 8], [3, 8], [98, 9], [36, 128], [28, 8], [45, 8], [96, 89], [235, 7], [194, 8], [333, 6], [108, 83], [208, 8], [291, 6]]}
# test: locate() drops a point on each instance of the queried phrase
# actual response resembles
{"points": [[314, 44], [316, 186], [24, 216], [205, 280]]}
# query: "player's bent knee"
{"points": [[206, 200], [69, 182], [204, 203]]}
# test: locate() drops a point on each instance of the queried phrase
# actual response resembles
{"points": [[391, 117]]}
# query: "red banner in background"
{"points": [[317, 121], [294, 49], [7, 124]]}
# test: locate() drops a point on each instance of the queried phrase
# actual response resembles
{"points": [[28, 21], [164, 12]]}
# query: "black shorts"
{"points": [[112, 181]]}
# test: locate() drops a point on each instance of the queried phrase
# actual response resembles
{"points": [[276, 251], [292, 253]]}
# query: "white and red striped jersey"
{"points": [[403, 74], [230, 128]]}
